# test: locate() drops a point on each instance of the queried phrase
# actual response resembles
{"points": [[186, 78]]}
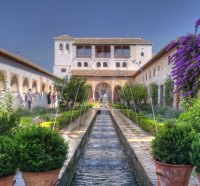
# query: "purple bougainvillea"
{"points": [[186, 63]]}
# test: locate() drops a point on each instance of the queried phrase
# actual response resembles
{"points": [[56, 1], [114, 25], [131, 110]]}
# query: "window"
{"points": [[150, 74], [102, 51], [79, 64], [105, 64], [83, 51], [63, 69], [142, 53], [98, 64], [118, 64], [85, 64], [146, 76], [124, 64], [122, 51], [158, 67], [60, 47], [154, 72]]}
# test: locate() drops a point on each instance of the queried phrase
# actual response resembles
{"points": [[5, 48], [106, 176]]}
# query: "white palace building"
{"points": [[108, 63]]}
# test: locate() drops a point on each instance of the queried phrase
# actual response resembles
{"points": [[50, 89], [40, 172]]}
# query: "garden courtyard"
{"points": [[141, 134]]}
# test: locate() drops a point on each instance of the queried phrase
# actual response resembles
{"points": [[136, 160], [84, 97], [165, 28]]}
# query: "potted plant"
{"points": [[195, 155], [8, 160], [42, 153], [171, 153]]}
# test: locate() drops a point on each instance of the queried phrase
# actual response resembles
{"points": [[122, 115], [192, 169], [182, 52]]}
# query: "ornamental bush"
{"points": [[9, 123], [8, 156], [40, 149], [195, 155], [172, 144], [191, 114]]}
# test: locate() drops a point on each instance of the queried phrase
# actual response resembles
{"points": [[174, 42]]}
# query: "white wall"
{"points": [[22, 71]]}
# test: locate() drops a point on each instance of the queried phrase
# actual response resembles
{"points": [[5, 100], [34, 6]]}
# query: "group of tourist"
{"points": [[29, 98]]}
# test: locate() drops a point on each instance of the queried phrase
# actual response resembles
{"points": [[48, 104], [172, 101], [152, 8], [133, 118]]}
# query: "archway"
{"points": [[101, 89], [116, 94], [14, 86], [25, 85], [34, 87]]}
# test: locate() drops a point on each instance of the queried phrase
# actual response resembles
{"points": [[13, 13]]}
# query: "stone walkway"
{"points": [[138, 137]]}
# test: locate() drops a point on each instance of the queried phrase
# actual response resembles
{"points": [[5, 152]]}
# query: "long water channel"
{"points": [[104, 161]]}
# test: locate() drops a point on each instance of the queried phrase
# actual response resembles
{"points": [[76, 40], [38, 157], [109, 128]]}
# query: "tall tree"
{"points": [[72, 91]]}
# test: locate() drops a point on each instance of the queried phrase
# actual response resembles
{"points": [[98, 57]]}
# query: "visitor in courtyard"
{"points": [[53, 100], [29, 98], [49, 99]]}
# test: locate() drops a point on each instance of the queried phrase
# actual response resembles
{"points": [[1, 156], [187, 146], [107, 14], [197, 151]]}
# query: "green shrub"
{"points": [[172, 144], [49, 124], [8, 156], [40, 149], [147, 124], [26, 121], [191, 115], [195, 155], [9, 123]]}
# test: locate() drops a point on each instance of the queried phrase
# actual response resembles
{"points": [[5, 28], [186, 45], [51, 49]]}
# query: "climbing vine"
{"points": [[154, 93], [2, 80], [169, 87]]}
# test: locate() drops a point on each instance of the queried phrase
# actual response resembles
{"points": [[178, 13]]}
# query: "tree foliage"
{"points": [[137, 93], [72, 91]]}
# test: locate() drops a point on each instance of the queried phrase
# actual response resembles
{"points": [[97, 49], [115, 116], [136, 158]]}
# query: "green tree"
{"points": [[169, 87], [154, 93], [137, 93], [72, 91]]}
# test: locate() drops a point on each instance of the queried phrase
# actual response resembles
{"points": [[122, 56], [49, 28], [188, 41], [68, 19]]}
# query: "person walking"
{"points": [[49, 99], [54, 100], [29, 98]]}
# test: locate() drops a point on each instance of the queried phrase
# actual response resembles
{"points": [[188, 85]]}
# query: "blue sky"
{"points": [[30, 25]]}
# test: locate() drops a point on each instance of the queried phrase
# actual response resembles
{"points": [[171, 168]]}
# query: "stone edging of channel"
{"points": [[75, 150], [142, 164]]}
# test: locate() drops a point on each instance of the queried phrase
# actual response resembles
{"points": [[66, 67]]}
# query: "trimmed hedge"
{"points": [[8, 156], [40, 149], [65, 118], [146, 123]]}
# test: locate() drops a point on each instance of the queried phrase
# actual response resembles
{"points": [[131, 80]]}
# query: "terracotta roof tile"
{"points": [[105, 41], [113, 41], [23, 61], [64, 37]]}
